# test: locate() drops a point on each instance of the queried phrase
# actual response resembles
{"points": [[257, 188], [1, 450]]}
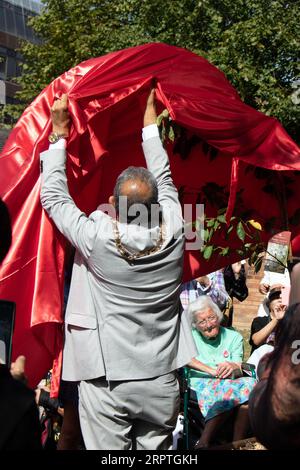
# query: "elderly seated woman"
{"points": [[220, 354]]}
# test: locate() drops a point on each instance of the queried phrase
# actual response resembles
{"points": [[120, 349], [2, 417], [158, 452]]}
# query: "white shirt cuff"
{"points": [[60, 144], [149, 132]]}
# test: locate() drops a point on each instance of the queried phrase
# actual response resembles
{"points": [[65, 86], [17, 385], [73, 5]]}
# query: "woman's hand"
{"points": [[263, 288], [279, 311], [211, 371], [225, 369]]}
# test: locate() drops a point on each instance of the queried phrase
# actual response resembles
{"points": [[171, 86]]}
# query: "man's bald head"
{"points": [[136, 189], [139, 186]]}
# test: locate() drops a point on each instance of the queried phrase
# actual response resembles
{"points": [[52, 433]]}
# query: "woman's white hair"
{"points": [[200, 305]]}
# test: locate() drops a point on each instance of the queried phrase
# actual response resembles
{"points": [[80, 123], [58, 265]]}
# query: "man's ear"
{"points": [[112, 201]]}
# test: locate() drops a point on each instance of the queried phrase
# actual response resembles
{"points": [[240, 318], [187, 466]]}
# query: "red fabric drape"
{"points": [[107, 96]]}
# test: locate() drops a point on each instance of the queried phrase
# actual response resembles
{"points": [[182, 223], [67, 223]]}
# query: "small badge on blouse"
{"points": [[225, 353]]}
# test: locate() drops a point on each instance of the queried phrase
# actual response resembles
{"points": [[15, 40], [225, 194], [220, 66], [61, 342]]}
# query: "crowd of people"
{"points": [[134, 325]]}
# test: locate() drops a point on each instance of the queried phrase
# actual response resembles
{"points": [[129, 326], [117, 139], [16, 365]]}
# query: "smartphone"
{"points": [[7, 322]]}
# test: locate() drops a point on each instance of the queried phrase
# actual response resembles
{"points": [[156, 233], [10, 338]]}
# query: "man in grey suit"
{"points": [[124, 336]]}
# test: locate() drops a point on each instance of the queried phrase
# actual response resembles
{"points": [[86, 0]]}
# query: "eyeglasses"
{"points": [[212, 319]]}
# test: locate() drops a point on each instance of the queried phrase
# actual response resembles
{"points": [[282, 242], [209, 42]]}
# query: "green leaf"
{"points": [[171, 134], [227, 232], [258, 264], [253, 257], [205, 235], [222, 219], [210, 234], [159, 120], [240, 231], [210, 222], [208, 251]]}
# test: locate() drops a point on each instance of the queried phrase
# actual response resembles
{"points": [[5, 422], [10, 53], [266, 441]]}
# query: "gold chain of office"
{"points": [[131, 256]]}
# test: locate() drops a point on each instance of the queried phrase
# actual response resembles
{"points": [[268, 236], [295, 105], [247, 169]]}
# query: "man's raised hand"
{"points": [[150, 115], [60, 116]]}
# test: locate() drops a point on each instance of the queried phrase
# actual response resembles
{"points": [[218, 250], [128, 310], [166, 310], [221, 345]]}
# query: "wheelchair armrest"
{"points": [[248, 369]]}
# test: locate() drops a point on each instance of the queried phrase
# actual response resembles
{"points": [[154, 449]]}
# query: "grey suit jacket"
{"points": [[122, 320]]}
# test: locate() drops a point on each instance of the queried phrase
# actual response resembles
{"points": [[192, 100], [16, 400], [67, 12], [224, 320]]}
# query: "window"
{"points": [[10, 68], [2, 19], [3, 61], [10, 21]]}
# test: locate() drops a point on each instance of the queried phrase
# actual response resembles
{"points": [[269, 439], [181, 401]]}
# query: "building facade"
{"points": [[13, 28]]}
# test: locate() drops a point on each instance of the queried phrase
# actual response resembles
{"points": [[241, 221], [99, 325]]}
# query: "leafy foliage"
{"points": [[255, 42], [243, 231]]}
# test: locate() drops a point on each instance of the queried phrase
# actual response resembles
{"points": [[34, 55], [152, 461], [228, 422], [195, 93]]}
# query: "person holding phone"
{"points": [[19, 419], [263, 328]]}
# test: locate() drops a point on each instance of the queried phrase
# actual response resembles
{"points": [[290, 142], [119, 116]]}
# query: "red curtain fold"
{"points": [[107, 96]]}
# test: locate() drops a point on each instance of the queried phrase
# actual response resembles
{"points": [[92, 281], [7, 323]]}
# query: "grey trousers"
{"points": [[137, 414]]}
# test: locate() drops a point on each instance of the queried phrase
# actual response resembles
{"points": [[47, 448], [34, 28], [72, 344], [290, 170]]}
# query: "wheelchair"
{"points": [[193, 420]]}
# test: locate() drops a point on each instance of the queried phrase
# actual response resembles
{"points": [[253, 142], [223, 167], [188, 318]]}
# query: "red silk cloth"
{"points": [[107, 96]]}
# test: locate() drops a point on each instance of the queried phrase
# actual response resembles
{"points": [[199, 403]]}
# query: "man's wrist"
{"points": [[149, 121]]}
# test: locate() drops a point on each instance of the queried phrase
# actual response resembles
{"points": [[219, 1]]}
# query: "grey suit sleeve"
{"points": [[158, 163], [56, 200]]}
